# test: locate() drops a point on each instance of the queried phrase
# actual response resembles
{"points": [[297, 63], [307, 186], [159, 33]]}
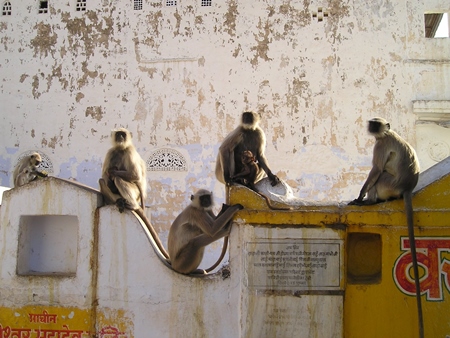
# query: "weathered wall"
{"points": [[287, 275], [179, 78]]}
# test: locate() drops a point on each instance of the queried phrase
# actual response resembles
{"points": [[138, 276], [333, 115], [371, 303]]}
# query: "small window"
{"points": [[171, 3], [81, 5], [7, 8], [206, 2], [43, 7], [137, 5], [436, 25]]}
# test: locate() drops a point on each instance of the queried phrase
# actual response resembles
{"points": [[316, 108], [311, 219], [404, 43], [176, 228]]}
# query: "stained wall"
{"points": [[178, 77]]}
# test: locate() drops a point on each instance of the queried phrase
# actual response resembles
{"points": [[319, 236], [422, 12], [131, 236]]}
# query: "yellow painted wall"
{"points": [[384, 305]]}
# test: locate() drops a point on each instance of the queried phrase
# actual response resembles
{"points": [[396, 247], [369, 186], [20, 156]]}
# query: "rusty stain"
{"points": [[83, 81], [230, 18], [150, 71], [237, 50], [178, 24], [141, 112], [183, 125], [72, 123], [79, 97], [89, 35], [190, 86], [198, 20], [337, 11], [395, 57], [44, 42], [54, 141], [278, 132], [298, 89], [376, 69], [95, 112], [35, 86], [262, 40], [201, 97], [57, 73]]}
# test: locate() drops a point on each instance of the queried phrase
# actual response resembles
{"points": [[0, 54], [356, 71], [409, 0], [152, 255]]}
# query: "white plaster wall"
{"points": [[158, 301], [180, 77], [53, 197]]}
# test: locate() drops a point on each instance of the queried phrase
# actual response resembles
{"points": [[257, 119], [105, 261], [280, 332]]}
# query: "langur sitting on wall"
{"points": [[26, 171], [124, 180], [247, 136], [194, 229]]}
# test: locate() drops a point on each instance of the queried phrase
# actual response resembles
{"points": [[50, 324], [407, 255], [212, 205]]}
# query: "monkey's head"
{"points": [[121, 138], [250, 120], [247, 157], [202, 199], [378, 126], [35, 159]]}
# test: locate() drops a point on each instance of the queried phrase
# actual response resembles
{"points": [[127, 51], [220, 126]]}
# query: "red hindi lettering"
{"points": [[429, 259]]}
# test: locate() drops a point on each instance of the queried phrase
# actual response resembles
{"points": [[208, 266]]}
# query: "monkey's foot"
{"points": [[121, 204], [356, 202]]}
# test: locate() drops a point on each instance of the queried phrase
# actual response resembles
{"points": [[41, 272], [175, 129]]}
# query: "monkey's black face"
{"points": [[120, 136], [35, 160], [374, 127], [247, 118], [205, 201]]}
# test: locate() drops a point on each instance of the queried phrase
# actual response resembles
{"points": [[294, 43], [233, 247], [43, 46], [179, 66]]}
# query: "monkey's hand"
{"points": [[229, 181], [274, 180], [41, 173], [358, 201], [112, 173], [224, 207]]}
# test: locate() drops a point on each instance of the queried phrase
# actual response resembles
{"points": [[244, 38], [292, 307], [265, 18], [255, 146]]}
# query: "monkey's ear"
{"points": [[388, 126], [192, 197]]}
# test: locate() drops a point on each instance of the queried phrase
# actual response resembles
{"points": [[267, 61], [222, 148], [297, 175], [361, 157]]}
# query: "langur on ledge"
{"points": [[195, 228], [394, 174], [247, 136], [26, 171], [124, 180]]}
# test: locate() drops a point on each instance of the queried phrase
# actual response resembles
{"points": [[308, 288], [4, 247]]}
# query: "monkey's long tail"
{"points": [[222, 254], [152, 231], [407, 198]]}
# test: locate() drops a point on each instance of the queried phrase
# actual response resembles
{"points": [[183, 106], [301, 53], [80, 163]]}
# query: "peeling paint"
{"points": [[182, 75], [230, 18], [45, 41], [95, 112], [263, 41]]}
